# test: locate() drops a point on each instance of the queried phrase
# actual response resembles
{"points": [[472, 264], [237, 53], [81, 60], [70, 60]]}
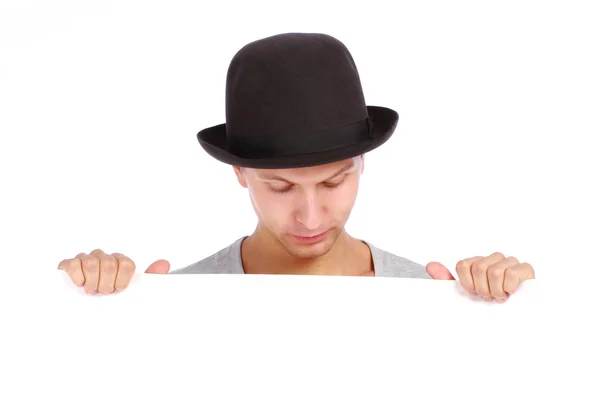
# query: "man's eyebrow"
{"points": [[273, 177], [345, 168]]}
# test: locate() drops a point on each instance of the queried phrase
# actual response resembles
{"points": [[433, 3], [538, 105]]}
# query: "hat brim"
{"points": [[214, 141]]}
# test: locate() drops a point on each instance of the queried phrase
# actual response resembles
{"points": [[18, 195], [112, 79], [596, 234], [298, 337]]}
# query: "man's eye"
{"points": [[281, 190], [334, 184]]}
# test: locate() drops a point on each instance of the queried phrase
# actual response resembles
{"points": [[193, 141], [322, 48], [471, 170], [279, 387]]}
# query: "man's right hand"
{"points": [[99, 272]]}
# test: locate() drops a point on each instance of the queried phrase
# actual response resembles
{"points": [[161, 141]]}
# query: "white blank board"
{"points": [[292, 337]]}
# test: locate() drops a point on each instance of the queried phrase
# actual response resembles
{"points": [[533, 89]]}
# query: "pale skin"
{"points": [[292, 204]]}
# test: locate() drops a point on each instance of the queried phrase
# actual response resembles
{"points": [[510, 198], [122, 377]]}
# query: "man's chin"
{"points": [[307, 253]]}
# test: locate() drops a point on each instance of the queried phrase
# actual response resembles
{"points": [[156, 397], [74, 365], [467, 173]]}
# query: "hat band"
{"points": [[305, 143]]}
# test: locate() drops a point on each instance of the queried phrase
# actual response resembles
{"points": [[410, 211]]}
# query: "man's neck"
{"points": [[263, 254]]}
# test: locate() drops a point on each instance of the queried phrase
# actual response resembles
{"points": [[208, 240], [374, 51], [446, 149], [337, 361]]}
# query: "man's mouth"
{"points": [[309, 239]]}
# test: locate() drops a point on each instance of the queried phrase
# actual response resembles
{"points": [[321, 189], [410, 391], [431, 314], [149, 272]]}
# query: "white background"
{"points": [[496, 148]]}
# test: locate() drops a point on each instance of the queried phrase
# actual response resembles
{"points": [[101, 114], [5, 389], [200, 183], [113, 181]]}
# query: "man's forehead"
{"points": [[326, 171]]}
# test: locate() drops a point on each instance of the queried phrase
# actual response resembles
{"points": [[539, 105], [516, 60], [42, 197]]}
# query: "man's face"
{"points": [[304, 209]]}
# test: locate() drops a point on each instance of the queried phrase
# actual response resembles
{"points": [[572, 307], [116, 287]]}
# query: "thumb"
{"points": [[159, 267], [438, 271]]}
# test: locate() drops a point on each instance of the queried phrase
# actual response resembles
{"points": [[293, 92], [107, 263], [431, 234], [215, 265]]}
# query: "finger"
{"points": [[437, 271], [517, 274], [159, 267], [125, 271], [91, 270], [72, 267], [496, 278], [480, 277], [465, 277], [108, 273]]}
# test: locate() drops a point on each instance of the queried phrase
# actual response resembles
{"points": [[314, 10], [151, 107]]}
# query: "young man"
{"points": [[296, 133]]}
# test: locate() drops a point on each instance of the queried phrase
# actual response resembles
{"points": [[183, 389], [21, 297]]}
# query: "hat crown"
{"points": [[290, 84], [295, 100]]}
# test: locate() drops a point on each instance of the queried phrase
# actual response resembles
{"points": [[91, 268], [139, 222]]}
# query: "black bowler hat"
{"points": [[295, 100]]}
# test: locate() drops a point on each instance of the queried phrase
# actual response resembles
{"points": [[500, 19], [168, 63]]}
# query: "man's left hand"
{"points": [[492, 277]]}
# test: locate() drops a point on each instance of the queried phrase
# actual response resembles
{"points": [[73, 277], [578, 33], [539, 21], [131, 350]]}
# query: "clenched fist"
{"points": [[99, 272], [492, 277]]}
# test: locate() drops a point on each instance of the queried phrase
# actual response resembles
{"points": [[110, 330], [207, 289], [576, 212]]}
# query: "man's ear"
{"points": [[239, 173]]}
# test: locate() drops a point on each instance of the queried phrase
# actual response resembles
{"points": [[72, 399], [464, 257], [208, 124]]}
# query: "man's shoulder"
{"points": [[392, 265], [224, 261]]}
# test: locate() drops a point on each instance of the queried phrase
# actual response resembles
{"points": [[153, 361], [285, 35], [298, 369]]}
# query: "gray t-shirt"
{"points": [[229, 261]]}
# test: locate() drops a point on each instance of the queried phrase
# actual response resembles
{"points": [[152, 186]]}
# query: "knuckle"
{"points": [[496, 272], [512, 274], [109, 265], [462, 266], [90, 263], [479, 267], [127, 264], [498, 254]]}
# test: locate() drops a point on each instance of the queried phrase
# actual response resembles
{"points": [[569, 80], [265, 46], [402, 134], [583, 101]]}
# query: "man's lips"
{"points": [[309, 239]]}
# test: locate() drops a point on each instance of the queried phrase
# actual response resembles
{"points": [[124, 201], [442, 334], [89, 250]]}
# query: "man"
{"points": [[296, 134]]}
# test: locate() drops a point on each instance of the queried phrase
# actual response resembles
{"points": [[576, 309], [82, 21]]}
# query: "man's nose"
{"points": [[309, 211]]}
